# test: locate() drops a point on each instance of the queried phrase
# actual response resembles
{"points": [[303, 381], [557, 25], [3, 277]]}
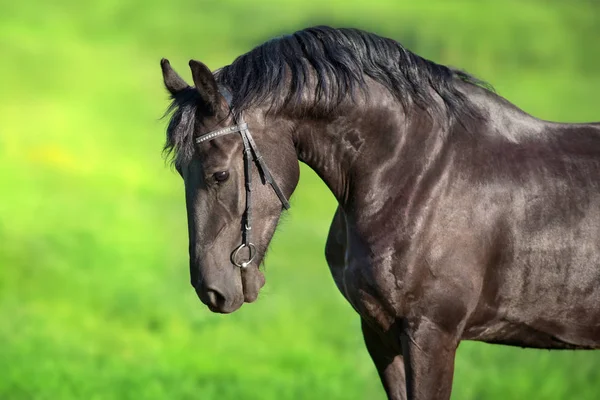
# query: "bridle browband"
{"points": [[251, 153]]}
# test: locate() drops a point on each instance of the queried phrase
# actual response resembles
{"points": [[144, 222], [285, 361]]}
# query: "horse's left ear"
{"points": [[206, 85], [173, 82]]}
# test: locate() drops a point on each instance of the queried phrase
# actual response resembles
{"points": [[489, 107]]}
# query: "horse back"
{"points": [[539, 207]]}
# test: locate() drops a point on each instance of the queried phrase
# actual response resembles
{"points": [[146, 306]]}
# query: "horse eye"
{"points": [[221, 176]]}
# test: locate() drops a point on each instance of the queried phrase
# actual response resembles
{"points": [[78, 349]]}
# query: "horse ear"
{"points": [[206, 85], [173, 82]]}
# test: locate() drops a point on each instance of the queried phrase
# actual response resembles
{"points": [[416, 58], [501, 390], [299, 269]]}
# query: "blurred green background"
{"points": [[94, 295]]}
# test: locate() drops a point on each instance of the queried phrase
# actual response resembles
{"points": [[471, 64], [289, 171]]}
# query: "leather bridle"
{"points": [[251, 153]]}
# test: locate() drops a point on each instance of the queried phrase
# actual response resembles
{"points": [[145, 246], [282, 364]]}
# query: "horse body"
{"points": [[506, 255], [505, 248], [480, 225], [520, 242]]}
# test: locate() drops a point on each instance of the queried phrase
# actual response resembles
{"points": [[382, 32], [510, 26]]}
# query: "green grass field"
{"points": [[94, 295]]}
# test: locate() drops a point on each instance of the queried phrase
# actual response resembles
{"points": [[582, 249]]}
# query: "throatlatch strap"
{"points": [[264, 170]]}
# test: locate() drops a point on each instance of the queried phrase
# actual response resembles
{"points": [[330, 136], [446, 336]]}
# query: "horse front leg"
{"points": [[389, 363], [429, 353]]}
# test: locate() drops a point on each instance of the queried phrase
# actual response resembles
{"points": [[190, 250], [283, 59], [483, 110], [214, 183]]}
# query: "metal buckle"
{"points": [[235, 253]]}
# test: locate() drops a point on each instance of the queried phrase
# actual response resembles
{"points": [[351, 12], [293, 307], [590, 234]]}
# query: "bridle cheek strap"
{"points": [[250, 153]]}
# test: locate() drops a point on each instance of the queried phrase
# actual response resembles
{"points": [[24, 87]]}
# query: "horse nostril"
{"points": [[215, 298]]}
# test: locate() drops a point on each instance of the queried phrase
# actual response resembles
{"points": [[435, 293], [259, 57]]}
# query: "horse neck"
{"points": [[364, 147]]}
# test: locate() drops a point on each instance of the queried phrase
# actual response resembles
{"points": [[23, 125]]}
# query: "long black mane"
{"points": [[333, 64], [339, 59]]}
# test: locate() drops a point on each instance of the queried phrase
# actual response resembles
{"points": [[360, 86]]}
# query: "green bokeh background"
{"points": [[94, 295]]}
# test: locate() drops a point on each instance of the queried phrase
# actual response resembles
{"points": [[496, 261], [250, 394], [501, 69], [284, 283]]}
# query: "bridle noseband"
{"points": [[251, 153]]}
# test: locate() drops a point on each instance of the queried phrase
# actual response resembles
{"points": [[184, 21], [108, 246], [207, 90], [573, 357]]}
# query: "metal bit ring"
{"points": [[236, 252]]}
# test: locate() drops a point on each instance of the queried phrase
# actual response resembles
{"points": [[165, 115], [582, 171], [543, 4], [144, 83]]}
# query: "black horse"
{"points": [[460, 216]]}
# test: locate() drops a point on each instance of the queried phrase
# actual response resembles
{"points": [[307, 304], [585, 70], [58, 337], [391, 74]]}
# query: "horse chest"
{"points": [[377, 289], [367, 300], [372, 289]]}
